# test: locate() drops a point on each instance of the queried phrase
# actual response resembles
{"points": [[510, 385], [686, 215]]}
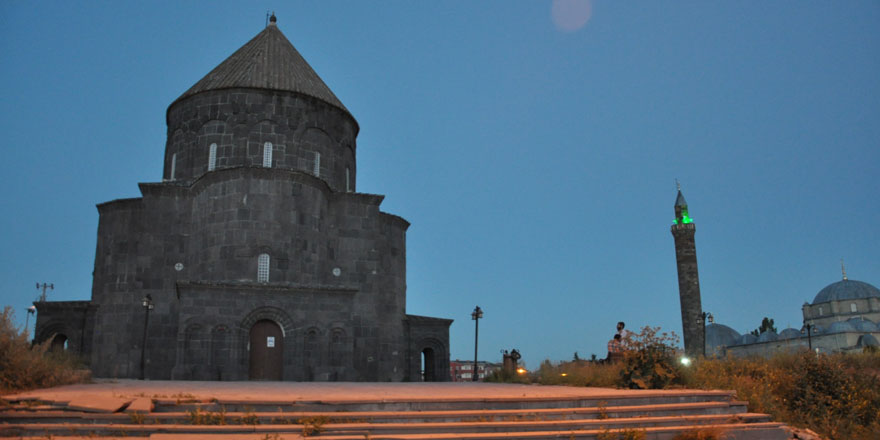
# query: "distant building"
{"points": [[255, 257], [843, 316], [463, 371]]}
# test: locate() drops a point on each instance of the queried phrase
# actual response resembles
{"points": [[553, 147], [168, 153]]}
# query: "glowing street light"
{"points": [[30, 311]]}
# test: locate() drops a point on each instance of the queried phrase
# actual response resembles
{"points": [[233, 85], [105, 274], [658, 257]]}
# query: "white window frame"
{"points": [[267, 155], [212, 157], [263, 268], [173, 166]]}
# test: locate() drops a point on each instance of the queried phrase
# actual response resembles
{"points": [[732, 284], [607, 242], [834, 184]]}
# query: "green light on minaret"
{"points": [[685, 218], [681, 209]]}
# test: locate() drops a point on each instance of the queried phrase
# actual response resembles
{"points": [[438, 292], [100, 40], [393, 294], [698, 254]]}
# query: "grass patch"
{"points": [[25, 367]]}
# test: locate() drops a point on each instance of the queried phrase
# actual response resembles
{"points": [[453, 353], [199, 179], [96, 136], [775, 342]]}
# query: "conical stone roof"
{"points": [[679, 200], [268, 62]]}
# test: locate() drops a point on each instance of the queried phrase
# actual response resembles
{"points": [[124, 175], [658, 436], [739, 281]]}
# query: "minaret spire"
{"points": [[683, 230], [843, 269]]}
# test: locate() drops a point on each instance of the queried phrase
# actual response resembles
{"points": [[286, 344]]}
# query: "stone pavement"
{"points": [[111, 391]]}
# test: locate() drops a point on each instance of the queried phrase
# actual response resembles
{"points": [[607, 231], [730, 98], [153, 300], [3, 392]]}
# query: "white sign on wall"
{"points": [[270, 341]]}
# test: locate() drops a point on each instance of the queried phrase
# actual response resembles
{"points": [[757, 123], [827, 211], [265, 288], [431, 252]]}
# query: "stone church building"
{"points": [[255, 257]]}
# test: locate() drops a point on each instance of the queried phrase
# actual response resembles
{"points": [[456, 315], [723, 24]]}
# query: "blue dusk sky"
{"points": [[533, 145]]}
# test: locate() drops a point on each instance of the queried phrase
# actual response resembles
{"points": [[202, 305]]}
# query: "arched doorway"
{"points": [[59, 343], [428, 373], [266, 351]]}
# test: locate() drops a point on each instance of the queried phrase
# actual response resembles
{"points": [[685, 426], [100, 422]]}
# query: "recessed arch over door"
{"points": [[266, 351], [59, 343]]}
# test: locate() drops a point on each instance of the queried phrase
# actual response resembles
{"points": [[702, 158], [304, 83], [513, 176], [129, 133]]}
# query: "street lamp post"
{"points": [[809, 330], [147, 303], [476, 315], [702, 320], [30, 311]]}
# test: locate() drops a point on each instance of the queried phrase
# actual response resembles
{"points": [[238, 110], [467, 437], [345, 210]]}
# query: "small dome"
{"points": [[867, 341], [718, 335], [841, 327], [863, 325], [768, 336], [846, 289], [748, 338], [789, 333]]}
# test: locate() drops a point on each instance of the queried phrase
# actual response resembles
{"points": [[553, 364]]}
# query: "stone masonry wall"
{"points": [[689, 288], [212, 231], [241, 121]]}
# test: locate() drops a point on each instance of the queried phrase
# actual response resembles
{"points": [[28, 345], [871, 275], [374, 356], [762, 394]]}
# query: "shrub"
{"points": [[578, 373], [837, 396], [649, 359], [700, 434], [25, 367]]}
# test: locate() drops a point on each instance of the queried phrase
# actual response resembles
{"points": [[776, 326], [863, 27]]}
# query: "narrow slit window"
{"points": [[317, 170], [263, 268], [173, 166], [267, 155], [212, 157], [853, 308], [347, 179]]}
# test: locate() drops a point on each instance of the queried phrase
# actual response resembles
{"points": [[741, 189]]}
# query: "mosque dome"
{"points": [[789, 333], [841, 327], [846, 289], [718, 335], [863, 325], [867, 341], [768, 336], [748, 338]]}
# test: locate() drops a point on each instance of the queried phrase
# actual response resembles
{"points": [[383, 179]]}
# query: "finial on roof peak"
{"points": [[843, 269], [677, 184], [272, 19]]}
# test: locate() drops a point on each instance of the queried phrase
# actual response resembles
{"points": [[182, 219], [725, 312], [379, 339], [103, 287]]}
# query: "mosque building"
{"points": [[843, 316]]}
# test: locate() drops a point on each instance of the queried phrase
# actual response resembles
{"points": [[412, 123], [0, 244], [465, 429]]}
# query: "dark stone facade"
{"points": [[235, 236]]}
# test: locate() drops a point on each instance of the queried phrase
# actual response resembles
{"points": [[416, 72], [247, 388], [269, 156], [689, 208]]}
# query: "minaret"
{"points": [[688, 280]]}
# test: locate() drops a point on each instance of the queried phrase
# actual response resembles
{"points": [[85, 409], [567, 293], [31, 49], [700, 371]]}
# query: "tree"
{"points": [[576, 357], [766, 324]]}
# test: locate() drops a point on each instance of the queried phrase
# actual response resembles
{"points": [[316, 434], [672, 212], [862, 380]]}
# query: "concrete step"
{"points": [[374, 411], [331, 428], [732, 431], [623, 398], [59, 415]]}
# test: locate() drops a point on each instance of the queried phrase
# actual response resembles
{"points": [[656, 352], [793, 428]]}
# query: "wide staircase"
{"points": [[616, 415]]}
